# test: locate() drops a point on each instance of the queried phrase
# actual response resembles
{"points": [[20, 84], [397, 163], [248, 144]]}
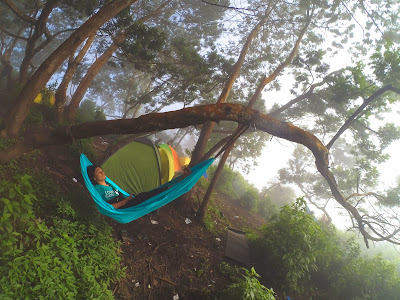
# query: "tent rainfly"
{"points": [[140, 166]]}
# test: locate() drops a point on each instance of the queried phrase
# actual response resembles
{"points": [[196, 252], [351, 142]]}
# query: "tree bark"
{"points": [[256, 95], [361, 110], [42, 75], [196, 116], [87, 80], [98, 65], [39, 29], [208, 127], [6, 70], [61, 93]]}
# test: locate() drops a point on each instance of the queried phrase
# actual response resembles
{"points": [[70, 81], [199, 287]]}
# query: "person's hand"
{"points": [[186, 171]]}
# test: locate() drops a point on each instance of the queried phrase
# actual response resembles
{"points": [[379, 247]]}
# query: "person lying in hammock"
{"points": [[113, 196], [116, 198]]}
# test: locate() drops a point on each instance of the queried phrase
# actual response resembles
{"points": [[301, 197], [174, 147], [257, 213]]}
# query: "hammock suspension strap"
{"points": [[238, 132]]}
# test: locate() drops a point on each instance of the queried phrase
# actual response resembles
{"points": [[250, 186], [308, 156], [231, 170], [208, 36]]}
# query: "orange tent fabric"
{"points": [[175, 157]]}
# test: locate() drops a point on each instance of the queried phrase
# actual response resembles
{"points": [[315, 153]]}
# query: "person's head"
{"points": [[95, 174]]}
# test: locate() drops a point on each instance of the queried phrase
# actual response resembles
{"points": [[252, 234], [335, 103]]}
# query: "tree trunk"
{"points": [[161, 121], [256, 95], [61, 93], [86, 81], [40, 28], [196, 116], [208, 127], [202, 209], [42, 75], [94, 69], [7, 68]]}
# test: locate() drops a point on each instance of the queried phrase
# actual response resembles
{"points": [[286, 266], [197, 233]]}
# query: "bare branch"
{"points": [[155, 12], [278, 70], [19, 13], [363, 194], [305, 95], [369, 15], [352, 16], [12, 34], [360, 110]]}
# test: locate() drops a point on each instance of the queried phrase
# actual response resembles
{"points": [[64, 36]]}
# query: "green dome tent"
{"points": [[140, 166]]}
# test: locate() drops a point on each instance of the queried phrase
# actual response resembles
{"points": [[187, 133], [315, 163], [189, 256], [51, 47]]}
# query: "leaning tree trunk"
{"points": [[7, 68], [208, 127], [87, 80], [94, 69], [61, 93], [42, 75], [199, 115], [40, 28], [202, 209], [256, 95]]}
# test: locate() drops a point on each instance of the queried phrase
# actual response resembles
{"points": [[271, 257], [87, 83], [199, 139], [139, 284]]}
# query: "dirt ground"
{"points": [[165, 255]]}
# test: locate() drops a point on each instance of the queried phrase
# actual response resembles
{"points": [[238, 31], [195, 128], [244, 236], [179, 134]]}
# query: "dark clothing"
{"points": [[139, 198]]}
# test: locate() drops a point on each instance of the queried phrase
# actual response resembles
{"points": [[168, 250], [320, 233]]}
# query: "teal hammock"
{"points": [[177, 188]]}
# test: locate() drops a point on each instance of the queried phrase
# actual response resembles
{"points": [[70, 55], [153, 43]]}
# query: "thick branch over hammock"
{"points": [[199, 115]]}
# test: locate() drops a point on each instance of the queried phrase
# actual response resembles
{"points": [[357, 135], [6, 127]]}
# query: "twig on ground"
{"points": [[166, 280]]}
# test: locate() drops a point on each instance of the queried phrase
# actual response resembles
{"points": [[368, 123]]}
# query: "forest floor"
{"points": [[164, 257], [175, 258]]}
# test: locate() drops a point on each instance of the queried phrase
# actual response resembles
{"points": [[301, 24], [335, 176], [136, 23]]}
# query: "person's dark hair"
{"points": [[90, 171]]}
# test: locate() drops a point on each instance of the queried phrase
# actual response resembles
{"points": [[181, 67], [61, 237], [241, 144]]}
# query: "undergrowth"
{"points": [[213, 220], [48, 248], [246, 286]]}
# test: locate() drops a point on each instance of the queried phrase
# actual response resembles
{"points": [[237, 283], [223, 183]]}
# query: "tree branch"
{"points": [[18, 12], [12, 34], [360, 110], [303, 96], [278, 70], [50, 38], [196, 116]]}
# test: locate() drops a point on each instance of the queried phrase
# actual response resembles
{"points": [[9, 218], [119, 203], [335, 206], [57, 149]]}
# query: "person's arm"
{"points": [[185, 172], [123, 202]]}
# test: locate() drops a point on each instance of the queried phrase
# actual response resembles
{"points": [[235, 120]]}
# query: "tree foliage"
{"points": [[195, 52], [296, 253]]}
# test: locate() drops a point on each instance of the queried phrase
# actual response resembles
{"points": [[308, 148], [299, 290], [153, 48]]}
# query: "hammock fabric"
{"points": [[177, 188]]}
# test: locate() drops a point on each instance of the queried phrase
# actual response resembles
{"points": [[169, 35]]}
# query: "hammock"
{"points": [[177, 188]]}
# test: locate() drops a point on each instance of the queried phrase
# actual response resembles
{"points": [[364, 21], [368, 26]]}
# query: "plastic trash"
{"points": [[188, 221], [218, 239], [74, 180], [126, 238], [175, 297], [137, 284], [154, 222]]}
